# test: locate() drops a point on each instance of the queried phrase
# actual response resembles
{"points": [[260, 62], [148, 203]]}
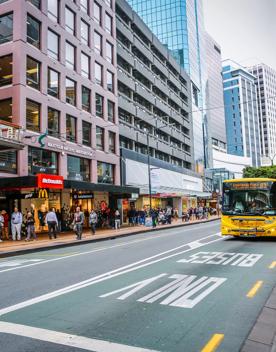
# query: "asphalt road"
{"points": [[178, 290]]}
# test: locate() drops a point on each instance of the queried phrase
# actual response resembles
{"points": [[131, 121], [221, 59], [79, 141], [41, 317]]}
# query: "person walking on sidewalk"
{"points": [[30, 221], [78, 223], [5, 230], [1, 227], [52, 222], [93, 220], [117, 219], [16, 224]]}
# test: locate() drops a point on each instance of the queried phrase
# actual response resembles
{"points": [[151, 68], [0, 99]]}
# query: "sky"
{"points": [[245, 29]]}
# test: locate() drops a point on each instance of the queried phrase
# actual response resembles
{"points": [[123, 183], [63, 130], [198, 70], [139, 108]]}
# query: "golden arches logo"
{"points": [[42, 193]]}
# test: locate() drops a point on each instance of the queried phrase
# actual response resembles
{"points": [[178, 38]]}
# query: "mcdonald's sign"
{"points": [[49, 181], [43, 193]]}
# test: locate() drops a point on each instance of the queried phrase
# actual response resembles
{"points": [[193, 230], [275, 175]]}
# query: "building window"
{"points": [[85, 65], [111, 111], [78, 168], [53, 45], [70, 21], [33, 31], [84, 32], [53, 10], [53, 83], [6, 110], [6, 28], [108, 3], [97, 13], [108, 23], [110, 81], [70, 55], [32, 116], [85, 99], [33, 73], [84, 5], [8, 162], [53, 122], [86, 133], [71, 131], [98, 43], [70, 88], [111, 142], [99, 105], [105, 172], [42, 161], [6, 70], [99, 74], [109, 52], [36, 3], [99, 138]]}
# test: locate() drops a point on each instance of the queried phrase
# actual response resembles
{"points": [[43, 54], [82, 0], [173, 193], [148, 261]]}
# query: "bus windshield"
{"points": [[239, 201]]}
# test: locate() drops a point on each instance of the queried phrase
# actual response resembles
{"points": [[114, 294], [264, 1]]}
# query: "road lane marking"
{"points": [[106, 276], [213, 343], [252, 292], [99, 250], [272, 265], [64, 339]]}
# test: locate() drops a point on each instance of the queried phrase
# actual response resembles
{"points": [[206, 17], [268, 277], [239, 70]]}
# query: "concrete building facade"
{"points": [[241, 112]]}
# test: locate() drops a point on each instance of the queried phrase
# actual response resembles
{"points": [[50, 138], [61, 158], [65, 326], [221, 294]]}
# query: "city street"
{"points": [[165, 291]]}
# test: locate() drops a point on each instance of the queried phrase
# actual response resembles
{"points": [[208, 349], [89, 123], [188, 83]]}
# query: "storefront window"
{"points": [[110, 111], [6, 28], [100, 138], [71, 133], [85, 99], [70, 87], [33, 31], [6, 70], [53, 83], [78, 168], [86, 133], [42, 161], [33, 73], [53, 122], [99, 105], [32, 116], [6, 110], [111, 142], [8, 162], [105, 172]]}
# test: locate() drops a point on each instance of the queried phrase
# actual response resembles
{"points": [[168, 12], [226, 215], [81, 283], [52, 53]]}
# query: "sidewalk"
{"points": [[11, 248], [262, 337]]}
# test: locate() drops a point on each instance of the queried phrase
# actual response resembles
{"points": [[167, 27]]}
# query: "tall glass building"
{"points": [[179, 26]]}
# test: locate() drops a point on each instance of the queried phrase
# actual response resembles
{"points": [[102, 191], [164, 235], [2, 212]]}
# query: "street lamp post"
{"points": [[149, 171]]}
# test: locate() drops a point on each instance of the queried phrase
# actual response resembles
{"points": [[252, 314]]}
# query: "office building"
{"points": [[241, 112], [154, 104], [58, 83], [265, 80], [214, 95], [179, 26]]}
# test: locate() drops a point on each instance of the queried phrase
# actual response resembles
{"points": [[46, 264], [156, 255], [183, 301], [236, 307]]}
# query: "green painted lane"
{"points": [[173, 305]]}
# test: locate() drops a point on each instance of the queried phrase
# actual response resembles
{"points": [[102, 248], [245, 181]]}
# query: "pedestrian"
{"points": [[168, 214], [117, 219], [16, 224], [52, 222], [30, 226], [78, 223], [58, 214], [154, 216], [5, 231], [1, 227], [93, 220]]}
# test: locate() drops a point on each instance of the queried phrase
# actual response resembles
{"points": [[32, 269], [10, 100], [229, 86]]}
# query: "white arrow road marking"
{"points": [[107, 275], [67, 339]]}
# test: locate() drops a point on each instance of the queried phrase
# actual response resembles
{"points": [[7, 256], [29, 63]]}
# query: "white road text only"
{"points": [[219, 258], [185, 291]]}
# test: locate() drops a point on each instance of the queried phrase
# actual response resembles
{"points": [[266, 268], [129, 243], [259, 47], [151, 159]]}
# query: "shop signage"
{"points": [[71, 149], [10, 132], [43, 193], [77, 196], [50, 181]]}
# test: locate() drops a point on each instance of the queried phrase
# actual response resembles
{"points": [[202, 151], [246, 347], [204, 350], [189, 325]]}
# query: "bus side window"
{"points": [[273, 195]]}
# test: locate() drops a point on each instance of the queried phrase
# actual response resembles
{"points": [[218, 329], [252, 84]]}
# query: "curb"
{"points": [[90, 240]]}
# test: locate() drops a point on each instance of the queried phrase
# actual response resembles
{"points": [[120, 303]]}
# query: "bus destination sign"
{"points": [[248, 185]]}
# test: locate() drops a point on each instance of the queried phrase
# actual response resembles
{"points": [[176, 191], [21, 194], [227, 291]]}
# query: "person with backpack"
{"points": [[93, 220], [78, 223]]}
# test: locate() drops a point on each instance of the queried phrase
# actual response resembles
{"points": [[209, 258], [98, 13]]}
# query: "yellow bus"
{"points": [[249, 207]]}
